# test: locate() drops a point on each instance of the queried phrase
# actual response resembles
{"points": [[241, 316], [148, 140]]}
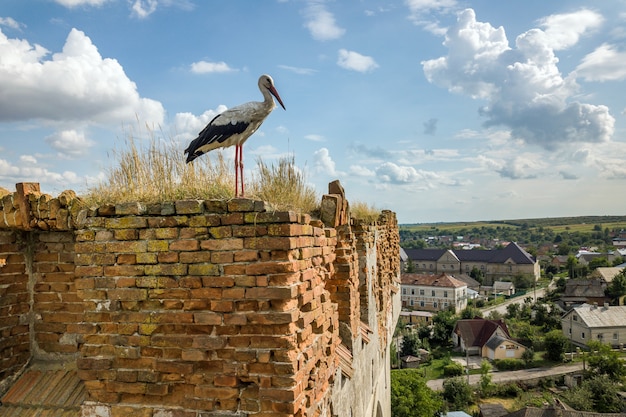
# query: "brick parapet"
{"points": [[220, 306]]}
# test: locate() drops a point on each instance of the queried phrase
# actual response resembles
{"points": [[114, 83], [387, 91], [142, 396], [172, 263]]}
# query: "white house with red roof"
{"points": [[433, 292]]}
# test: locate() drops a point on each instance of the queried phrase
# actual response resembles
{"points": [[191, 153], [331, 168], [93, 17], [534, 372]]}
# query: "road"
{"points": [[501, 308], [508, 376]]}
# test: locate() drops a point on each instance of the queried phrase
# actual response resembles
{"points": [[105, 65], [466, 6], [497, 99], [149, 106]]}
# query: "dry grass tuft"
{"points": [[364, 212], [154, 170], [284, 186]]}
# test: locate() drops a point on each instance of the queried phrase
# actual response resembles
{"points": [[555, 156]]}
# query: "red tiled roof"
{"points": [[441, 280]]}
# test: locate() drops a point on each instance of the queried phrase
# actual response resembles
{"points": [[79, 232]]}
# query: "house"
{"points": [[487, 338], [560, 261], [586, 322], [411, 361], [417, 317], [433, 292], [472, 284], [607, 273], [492, 410], [505, 288], [580, 291], [495, 264]]}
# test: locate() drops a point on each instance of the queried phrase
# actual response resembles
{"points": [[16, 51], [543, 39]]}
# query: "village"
{"points": [[476, 321]]}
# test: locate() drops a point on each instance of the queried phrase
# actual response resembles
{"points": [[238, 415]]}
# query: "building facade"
{"points": [[586, 322], [433, 292], [495, 264]]}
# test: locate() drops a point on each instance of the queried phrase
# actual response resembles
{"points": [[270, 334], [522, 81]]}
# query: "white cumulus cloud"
{"points": [[323, 162], [76, 84], [75, 3], [204, 67], [321, 23], [523, 86], [606, 63], [354, 61], [69, 143]]}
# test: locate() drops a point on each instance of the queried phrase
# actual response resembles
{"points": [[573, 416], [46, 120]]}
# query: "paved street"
{"points": [[526, 374]]}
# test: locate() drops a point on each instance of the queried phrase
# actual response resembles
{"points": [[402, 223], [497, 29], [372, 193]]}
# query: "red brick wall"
{"points": [[14, 304], [191, 306], [218, 306], [57, 310]]}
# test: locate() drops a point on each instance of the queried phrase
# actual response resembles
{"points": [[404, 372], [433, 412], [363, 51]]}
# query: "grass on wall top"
{"points": [[153, 169]]}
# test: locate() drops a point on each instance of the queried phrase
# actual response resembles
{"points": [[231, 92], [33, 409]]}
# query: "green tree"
{"points": [[443, 323], [605, 361], [411, 397], [617, 288], [410, 344], [555, 344], [410, 266], [600, 261], [457, 393], [528, 357], [485, 377], [477, 274]]}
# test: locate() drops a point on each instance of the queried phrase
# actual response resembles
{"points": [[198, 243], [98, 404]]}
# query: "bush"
{"points": [[509, 364], [508, 390], [453, 369]]}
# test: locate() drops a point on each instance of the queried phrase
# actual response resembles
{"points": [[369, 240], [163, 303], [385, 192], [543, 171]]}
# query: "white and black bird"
{"points": [[234, 126]]}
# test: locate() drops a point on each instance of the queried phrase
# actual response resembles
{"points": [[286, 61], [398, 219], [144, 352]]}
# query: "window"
{"points": [[435, 304], [599, 336], [575, 317], [412, 291], [432, 293], [615, 336], [421, 292], [404, 291], [445, 305], [421, 304], [445, 294], [411, 302], [582, 335], [431, 266]]}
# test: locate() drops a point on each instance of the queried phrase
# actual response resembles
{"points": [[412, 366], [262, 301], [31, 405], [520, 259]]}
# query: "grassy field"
{"points": [[570, 224]]}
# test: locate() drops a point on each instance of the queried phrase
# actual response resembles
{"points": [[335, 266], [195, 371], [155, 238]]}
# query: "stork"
{"points": [[234, 126]]}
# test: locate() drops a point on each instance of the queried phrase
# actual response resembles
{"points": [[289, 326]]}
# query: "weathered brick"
{"points": [[189, 206], [272, 293], [166, 269], [127, 294], [166, 233], [204, 269], [185, 245], [126, 223], [126, 246]]}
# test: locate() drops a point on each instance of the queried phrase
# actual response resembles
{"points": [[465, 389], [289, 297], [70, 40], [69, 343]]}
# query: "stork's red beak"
{"points": [[275, 94]]}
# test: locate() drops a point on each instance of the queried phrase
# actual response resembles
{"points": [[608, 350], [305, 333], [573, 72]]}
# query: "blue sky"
{"points": [[440, 110]]}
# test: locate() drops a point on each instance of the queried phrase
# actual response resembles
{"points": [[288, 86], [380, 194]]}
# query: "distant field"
{"points": [[571, 224], [453, 226]]}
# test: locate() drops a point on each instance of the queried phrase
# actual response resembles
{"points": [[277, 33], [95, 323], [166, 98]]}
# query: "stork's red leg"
{"points": [[236, 169], [241, 167]]}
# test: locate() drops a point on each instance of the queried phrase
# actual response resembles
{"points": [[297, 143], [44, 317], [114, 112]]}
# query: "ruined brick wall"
{"points": [[198, 307], [39, 310], [215, 306], [14, 304]]}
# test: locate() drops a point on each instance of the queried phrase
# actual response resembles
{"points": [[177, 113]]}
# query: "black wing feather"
{"points": [[213, 132]]}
